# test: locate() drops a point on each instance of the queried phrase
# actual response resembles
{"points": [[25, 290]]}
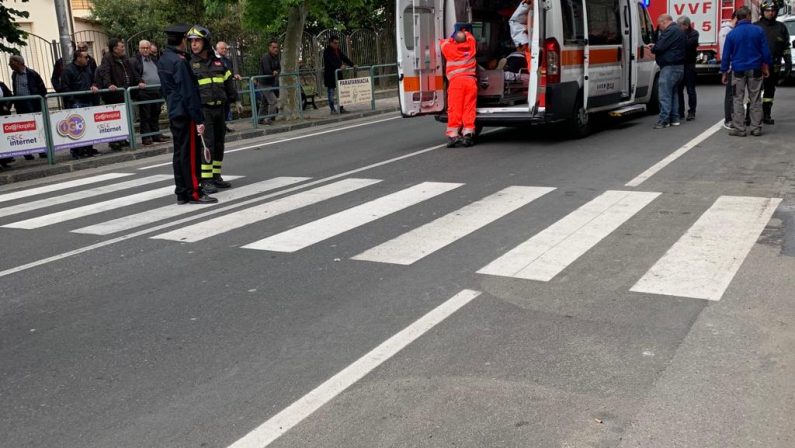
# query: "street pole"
{"points": [[62, 13]]}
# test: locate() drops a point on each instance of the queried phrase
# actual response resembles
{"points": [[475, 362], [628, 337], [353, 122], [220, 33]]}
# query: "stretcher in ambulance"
{"points": [[584, 58]]}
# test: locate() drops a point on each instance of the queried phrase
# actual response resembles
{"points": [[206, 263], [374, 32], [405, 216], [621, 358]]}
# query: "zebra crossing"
{"points": [[700, 264]]}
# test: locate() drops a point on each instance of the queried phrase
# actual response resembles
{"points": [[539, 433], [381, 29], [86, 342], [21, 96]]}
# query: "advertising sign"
{"points": [[22, 134], [89, 126], [355, 91]]}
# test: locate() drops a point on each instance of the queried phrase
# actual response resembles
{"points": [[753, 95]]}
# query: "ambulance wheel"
{"points": [[653, 106], [579, 125]]}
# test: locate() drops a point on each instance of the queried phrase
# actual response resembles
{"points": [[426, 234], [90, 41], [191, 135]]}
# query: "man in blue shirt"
{"points": [[670, 55], [747, 55]]}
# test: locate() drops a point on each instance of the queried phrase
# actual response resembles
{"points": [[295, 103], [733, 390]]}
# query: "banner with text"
{"points": [[355, 91], [89, 126], [22, 134]]}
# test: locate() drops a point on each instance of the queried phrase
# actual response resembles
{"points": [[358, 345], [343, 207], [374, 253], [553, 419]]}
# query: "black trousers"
{"points": [[149, 113], [769, 91], [728, 101], [214, 138], [688, 83], [186, 158]]}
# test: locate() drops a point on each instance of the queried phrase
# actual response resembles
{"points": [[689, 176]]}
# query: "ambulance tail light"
{"points": [[551, 60]]}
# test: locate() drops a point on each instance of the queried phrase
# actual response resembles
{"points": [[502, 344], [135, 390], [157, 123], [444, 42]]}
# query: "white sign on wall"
{"points": [[703, 14], [89, 126], [22, 134], [355, 91]]}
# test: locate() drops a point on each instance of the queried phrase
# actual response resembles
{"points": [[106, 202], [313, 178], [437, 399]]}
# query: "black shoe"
{"points": [[204, 199], [661, 125], [221, 183], [468, 141], [209, 187], [737, 133], [146, 141], [342, 110], [229, 130], [691, 116], [452, 141], [182, 201], [768, 121], [756, 132]]}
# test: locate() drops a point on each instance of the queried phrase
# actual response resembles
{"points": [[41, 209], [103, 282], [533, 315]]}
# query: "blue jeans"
{"points": [[670, 77], [331, 95]]}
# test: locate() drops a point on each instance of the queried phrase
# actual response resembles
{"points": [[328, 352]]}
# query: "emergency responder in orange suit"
{"points": [[462, 87]]}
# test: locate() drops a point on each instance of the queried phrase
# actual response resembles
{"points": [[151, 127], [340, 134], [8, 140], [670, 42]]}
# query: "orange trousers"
{"points": [[462, 101]]}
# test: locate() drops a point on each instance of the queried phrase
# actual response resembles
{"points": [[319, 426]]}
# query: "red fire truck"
{"points": [[707, 17]]}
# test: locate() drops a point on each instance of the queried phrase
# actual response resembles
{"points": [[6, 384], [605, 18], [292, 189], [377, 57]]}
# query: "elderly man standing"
{"points": [[747, 55], [145, 69], [670, 54], [79, 77], [116, 74], [26, 81], [222, 51]]}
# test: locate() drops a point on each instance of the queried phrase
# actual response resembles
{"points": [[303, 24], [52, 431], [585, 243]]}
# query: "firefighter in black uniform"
{"points": [[180, 89], [217, 89], [778, 41]]}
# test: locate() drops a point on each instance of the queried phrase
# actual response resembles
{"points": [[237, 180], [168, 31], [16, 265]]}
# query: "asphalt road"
{"points": [[532, 291]]}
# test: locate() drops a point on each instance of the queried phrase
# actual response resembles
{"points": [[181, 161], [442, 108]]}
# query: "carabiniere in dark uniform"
{"points": [[179, 87], [217, 90]]}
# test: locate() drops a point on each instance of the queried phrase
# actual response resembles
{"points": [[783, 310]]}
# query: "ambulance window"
{"points": [[425, 23], [646, 27], [573, 29], [604, 26]]}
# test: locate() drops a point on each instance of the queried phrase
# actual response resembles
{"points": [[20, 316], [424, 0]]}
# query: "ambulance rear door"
{"points": [[606, 79], [420, 25], [533, 33]]}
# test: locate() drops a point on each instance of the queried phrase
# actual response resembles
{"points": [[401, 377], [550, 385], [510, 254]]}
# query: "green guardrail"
{"points": [[254, 87], [371, 74]]}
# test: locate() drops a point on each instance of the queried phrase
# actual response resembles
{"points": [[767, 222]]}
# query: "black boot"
{"points": [[469, 141], [220, 182], [452, 141], [209, 187], [767, 108]]}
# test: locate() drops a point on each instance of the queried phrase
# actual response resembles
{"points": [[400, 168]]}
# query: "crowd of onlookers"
{"points": [[107, 78]]}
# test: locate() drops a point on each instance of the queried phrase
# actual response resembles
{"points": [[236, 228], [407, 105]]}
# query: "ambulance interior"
{"points": [[503, 77]]}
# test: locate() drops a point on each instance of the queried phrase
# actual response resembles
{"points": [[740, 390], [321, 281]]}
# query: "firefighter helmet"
{"points": [[199, 32], [773, 5]]}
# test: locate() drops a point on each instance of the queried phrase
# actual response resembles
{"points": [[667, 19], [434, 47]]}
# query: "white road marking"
{"points": [[299, 137], [316, 231], [232, 221], [93, 209], [305, 406], [644, 176], [83, 194], [704, 260], [427, 239], [129, 236], [171, 211], [60, 186], [548, 253]]}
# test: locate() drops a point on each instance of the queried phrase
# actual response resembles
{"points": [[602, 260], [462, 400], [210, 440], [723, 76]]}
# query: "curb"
{"points": [[142, 153]]}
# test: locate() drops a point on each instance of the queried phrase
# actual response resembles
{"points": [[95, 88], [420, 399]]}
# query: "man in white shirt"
{"points": [[728, 99]]}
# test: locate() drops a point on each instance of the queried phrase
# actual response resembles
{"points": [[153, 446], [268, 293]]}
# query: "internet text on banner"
{"points": [[355, 91], [89, 126], [22, 134]]}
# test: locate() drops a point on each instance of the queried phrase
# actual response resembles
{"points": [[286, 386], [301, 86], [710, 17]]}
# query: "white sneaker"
{"points": [[728, 125], [675, 123]]}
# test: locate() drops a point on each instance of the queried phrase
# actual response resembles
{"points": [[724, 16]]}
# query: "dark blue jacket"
{"points": [[745, 49], [179, 86], [671, 46]]}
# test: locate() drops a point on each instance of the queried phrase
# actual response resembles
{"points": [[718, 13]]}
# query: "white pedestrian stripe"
{"points": [[83, 194], [174, 210], [704, 260], [423, 241], [60, 186], [322, 229], [276, 426], [548, 253], [93, 209], [236, 220]]}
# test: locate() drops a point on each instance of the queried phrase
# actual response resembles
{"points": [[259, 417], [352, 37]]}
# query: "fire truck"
{"points": [[707, 17]]}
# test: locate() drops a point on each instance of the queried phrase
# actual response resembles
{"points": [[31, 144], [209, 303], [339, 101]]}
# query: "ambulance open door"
{"points": [[420, 25], [533, 33]]}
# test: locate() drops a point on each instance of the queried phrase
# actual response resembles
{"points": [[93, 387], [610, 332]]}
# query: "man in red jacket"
{"points": [[462, 88]]}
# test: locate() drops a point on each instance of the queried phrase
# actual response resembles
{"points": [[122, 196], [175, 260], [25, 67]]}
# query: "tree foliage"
{"points": [[10, 34]]}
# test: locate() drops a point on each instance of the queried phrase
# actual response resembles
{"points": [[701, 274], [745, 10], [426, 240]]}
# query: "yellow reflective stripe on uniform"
{"points": [[227, 75], [217, 163], [767, 100], [215, 79]]}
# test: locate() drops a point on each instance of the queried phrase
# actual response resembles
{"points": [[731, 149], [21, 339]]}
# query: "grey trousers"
{"points": [[751, 82]]}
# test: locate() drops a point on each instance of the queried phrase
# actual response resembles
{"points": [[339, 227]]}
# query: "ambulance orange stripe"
{"points": [[603, 56], [412, 83]]}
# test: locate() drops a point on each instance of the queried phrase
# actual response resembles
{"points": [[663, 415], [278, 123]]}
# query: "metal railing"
{"points": [[255, 88], [128, 100], [371, 69]]}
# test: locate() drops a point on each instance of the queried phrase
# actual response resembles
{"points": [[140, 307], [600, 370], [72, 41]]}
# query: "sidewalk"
{"points": [[22, 169]]}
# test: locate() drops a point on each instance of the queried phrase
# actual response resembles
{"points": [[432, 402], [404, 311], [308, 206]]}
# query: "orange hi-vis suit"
{"points": [[462, 88]]}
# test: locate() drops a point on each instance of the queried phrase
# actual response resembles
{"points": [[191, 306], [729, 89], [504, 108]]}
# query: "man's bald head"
{"points": [[460, 37], [665, 20]]}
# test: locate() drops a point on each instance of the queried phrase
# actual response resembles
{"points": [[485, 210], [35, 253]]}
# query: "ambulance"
{"points": [[586, 58], [707, 17]]}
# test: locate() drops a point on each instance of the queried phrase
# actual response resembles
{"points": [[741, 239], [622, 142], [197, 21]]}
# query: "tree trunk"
{"points": [[289, 94]]}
